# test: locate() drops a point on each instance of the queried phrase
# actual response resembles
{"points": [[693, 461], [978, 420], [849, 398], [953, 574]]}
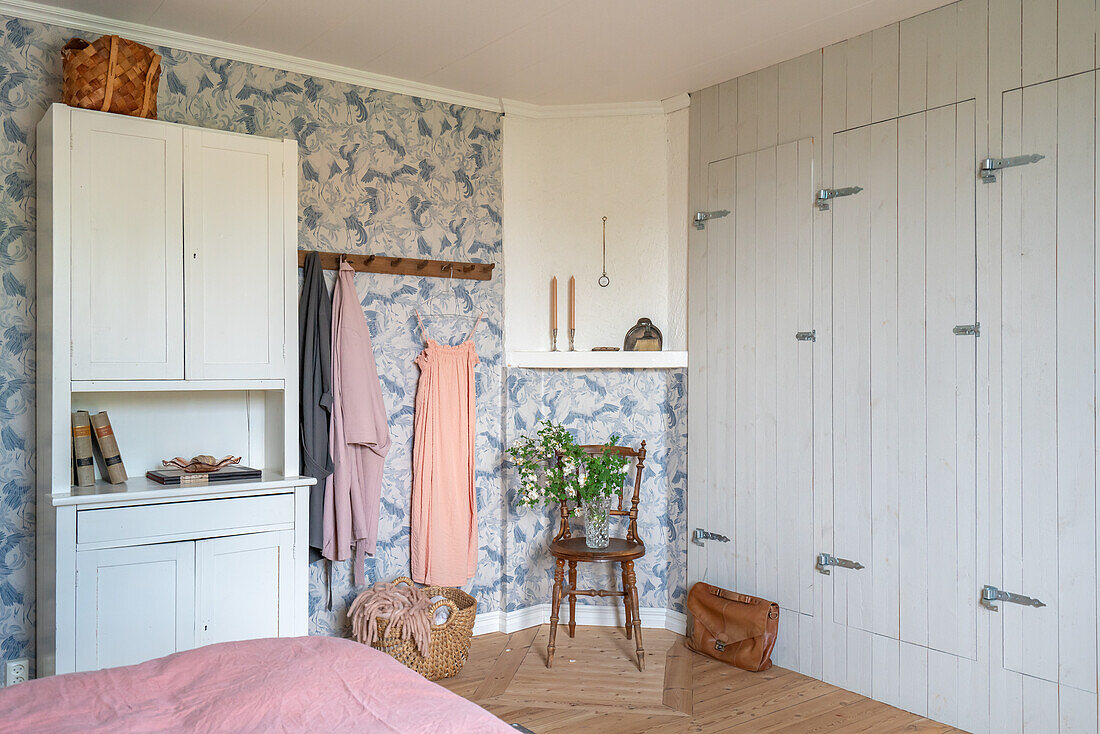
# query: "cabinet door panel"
{"points": [[759, 272], [127, 248], [1048, 392], [904, 442], [234, 208], [244, 586], [134, 604]]}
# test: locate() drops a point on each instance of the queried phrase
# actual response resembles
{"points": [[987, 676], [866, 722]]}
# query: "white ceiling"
{"points": [[547, 52]]}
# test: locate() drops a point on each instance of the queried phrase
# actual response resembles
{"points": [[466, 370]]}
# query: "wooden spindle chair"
{"points": [[567, 548]]}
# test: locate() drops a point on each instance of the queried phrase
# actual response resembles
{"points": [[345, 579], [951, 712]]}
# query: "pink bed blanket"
{"points": [[297, 684]]}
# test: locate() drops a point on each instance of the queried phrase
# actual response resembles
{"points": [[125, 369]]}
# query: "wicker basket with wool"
{"points": [[110, 74], [450, 641]]}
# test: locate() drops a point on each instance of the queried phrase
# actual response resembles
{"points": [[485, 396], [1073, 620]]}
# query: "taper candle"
{"points": [[554, 302], [572, 303]]}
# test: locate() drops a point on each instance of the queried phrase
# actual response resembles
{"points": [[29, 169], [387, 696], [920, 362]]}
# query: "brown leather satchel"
{"points": [[735, 628]]}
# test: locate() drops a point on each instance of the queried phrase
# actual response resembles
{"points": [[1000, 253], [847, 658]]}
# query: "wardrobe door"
{"points": [[759, 378], [1048, 362], [235, 212], [244, 587], [134, 604], [127, 248], [904, 627]]}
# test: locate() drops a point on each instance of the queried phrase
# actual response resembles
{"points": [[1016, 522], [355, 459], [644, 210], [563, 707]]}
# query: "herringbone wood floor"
{"points": [[595, 686]]}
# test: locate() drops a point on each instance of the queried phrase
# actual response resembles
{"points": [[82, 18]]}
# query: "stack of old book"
{"points": [[103, 450]]}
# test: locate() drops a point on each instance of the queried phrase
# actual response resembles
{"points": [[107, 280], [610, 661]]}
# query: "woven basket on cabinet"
{"points": [[111, 74], [450, 641]]}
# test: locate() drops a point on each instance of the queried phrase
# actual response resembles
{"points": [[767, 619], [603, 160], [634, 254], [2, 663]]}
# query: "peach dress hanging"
{"points": [[443, 531]]}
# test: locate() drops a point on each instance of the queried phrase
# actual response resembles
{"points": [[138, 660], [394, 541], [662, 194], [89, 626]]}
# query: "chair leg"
{"points": [[627, 603], [628, 571], [559, 573], [572, 599]]}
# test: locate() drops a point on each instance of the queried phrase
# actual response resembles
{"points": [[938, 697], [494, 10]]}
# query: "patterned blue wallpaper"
{"points": [[639, 405], [379, 172]]}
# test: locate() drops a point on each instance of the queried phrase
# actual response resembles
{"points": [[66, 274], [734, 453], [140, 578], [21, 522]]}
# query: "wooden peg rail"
{"points": [[404, 265]]}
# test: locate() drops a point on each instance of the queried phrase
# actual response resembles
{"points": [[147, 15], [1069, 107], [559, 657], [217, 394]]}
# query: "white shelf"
{"points": [[172, 385], [597, 360], [142, 489]]}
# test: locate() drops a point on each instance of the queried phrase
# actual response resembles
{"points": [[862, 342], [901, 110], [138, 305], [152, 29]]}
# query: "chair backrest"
{"points": [[617, 508]]}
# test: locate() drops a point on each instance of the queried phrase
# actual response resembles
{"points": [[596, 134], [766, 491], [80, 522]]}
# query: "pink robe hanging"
{"points": [[359, 435]]}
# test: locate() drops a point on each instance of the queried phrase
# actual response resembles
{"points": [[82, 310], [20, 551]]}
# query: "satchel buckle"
{"points": [[719, 646]]}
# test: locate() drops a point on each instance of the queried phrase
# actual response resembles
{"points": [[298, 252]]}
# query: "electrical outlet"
{"points": [[17, 671]]}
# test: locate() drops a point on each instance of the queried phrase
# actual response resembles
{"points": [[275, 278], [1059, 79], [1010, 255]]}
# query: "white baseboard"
{"points": [[596, 616]]}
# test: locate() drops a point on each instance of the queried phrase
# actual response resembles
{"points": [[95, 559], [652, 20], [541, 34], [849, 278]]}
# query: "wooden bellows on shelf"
{"points": [[403, 265]]}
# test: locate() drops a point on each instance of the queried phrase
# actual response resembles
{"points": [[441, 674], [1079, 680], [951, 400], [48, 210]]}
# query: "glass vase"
{"points": [[596, 513]]}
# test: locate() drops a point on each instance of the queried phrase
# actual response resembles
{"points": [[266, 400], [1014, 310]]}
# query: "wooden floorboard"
{"points": [[595, 686], [506, 665]]}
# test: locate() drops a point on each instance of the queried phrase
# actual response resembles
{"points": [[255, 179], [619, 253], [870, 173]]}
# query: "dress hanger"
{"points": [[428, 314], [426, 308]]}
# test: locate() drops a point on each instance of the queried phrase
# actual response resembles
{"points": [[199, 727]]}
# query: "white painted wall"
{"points": [[561, 175]]}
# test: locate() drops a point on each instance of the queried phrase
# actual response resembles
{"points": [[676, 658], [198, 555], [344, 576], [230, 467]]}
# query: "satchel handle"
{"points": [[734, 596]]}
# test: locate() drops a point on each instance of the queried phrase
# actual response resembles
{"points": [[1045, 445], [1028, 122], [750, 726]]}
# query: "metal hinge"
{"points": [[700, 535], [974, 329], [824, 195], [987, 169], [824, 560], [806, 336], [701, 218], [991, 594]]}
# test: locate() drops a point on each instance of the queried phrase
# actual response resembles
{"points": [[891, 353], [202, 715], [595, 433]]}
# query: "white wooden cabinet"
{"points": [[127, 247], [243, 586], [162, 213], [166, 269], [134, 604], [139, 602], [236, 216], [1048, 525], [760, 272]]}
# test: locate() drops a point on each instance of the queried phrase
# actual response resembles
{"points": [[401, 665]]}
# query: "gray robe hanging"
{"points": [[315, 355]]}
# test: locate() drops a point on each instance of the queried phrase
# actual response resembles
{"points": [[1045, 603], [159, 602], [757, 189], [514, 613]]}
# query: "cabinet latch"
{"points": [[974, 329], [700, 535], [824, 560], [701, 218], [987, 170], [992, 594], [824, 195]]}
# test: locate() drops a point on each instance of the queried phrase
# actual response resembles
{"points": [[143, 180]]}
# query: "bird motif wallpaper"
{"points": [[378, 172]]}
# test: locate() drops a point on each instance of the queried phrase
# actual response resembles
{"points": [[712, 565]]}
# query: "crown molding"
{"points": [[543, 112], [77, 20], [677, 103], [187, 42]]}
